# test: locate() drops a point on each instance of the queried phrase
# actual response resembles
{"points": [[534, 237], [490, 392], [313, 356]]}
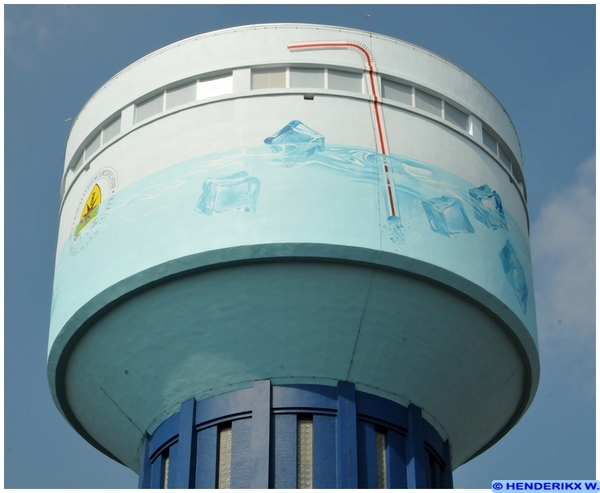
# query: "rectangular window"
{"points": [[380, 459], [166, 462], [307, 77], [79, 162], [111, 130], [93, 146], [434, 472], [224, 457], [149, 108], [181, 95], [344, 81], [216, 86], [504, 158], [490, 142], [455, 116], [400, 93], [268, 78], [428, 103], [305, 454]]}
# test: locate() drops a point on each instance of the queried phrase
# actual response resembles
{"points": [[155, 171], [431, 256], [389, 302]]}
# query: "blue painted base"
{"points": [[358, 441]]}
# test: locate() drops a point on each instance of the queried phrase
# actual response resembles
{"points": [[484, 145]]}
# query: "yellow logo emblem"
{"points": [[90, 209]]}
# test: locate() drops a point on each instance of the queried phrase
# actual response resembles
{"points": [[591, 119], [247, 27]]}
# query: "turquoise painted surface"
{"points": [[296, 188]]}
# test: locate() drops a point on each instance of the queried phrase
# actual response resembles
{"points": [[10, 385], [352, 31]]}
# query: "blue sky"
{"points": [[539, 61]]}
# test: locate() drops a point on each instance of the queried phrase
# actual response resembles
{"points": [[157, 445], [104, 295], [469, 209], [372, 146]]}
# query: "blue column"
{"points": [[264, 440], [183, 467], [347, 460], [157, 476], [447, 471], [284, 447], [206, 468], [241, 453], [324, 452], [396, 456], [144, 481], [367, 455], [415, 450], [261, 434]]}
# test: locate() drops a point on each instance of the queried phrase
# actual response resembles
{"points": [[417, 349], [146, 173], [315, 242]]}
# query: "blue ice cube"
{"points": [[514, 273], [296, 142], [487, 207], [237, 192], [447, 216]]}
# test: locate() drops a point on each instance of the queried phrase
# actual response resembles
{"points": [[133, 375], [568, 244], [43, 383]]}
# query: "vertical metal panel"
{"points": [[144, 479], [206, 468], [365, 438], [344, 448], [241, 460], [346, 436], [284, 451], [156, 475], [182, 469], [432, 438], [396, 457], [434, 472], [416, 457], [447, 471], [324, 450], [261, 435]]}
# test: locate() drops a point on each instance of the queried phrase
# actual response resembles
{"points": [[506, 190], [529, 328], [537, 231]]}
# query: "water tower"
{"points": [[293, 256]]}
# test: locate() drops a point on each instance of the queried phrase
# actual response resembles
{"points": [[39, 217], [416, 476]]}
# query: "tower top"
{"points": [[295, 203]]}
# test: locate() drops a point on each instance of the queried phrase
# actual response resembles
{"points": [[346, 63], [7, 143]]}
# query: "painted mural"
{"points": [[99, 192], [312, 191]]}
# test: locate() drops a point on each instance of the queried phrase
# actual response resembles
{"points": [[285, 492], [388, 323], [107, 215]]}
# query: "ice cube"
{"points": [[487, 207], [447, 216], [514, 273], [295, 142], [237, 192]]}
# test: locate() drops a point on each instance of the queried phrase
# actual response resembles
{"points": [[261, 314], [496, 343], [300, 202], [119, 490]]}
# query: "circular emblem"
{"points": [[93, 206]]}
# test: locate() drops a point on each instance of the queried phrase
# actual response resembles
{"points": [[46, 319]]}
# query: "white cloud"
{"points": [[563, 246]]}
